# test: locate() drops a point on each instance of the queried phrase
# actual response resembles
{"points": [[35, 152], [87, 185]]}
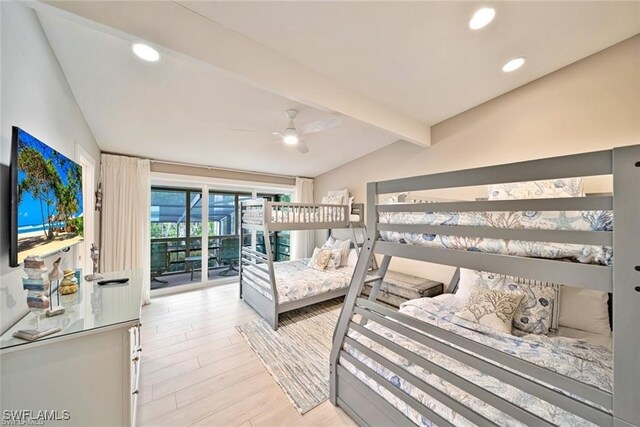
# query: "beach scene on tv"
{"points": [[49, 199]]}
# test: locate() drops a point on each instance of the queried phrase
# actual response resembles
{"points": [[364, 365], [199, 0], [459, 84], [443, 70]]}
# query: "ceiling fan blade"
{"points": [[302, 147], [250, 130], [321, 125]]}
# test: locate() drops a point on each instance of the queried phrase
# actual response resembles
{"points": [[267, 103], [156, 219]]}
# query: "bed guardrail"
{"points": [[622, 279], [279, 216]]}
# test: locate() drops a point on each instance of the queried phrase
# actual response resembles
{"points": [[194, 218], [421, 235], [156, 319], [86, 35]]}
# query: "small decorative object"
{"points": [[37, 286], [94, 257], [54, 276], [69, 284]]}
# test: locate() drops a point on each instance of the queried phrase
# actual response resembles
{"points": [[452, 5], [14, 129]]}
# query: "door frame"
{"points": [[83, 253]]}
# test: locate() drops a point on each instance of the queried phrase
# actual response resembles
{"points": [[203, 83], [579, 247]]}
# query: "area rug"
{"points": [[297, 354]]}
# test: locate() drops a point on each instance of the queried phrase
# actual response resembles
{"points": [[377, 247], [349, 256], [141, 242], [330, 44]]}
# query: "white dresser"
{"points": [[85, 375]]}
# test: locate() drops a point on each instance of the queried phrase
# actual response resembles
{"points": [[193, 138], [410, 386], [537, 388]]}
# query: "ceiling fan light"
{"points": [[291, 139]]}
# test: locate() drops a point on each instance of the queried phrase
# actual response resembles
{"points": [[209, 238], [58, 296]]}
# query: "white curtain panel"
{"points": [[302, 242], [126, 201]]}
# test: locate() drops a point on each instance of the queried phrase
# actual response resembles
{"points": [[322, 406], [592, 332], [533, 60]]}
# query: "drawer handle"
{"points": [[136, 392], [135, 359]]}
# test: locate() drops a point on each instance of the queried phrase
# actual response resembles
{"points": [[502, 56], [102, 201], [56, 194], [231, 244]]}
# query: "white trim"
{"points": [[88, 164], [192, 286]]}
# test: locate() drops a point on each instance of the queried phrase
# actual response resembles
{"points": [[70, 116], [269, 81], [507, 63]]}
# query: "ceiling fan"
{"points": [[292, 136]]}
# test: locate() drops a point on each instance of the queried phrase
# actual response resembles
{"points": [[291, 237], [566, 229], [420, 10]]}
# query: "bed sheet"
{"points": [[541, 220], [294, 280]]}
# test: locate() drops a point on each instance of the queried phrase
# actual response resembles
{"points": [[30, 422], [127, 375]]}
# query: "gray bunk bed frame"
{"points": [[622, 406], [291, 217]]}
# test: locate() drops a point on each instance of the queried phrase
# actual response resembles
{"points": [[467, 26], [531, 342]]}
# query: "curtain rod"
{"points": [[193, 165]]}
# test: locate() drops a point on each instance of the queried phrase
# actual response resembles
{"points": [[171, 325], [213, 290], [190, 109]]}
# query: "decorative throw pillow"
{"points": [[333, 200], [343, 245], [341, 193], [335, 261], [494, 309], [535, 315], [585, 309], [550, 188], [320, 259]]}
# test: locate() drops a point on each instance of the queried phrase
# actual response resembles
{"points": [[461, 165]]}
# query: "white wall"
{"points": [[590, 105], [37, 98]]}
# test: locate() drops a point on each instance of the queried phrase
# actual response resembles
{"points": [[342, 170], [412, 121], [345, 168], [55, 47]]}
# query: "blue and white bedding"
{"points": [[560, 220], [588, 363], [294, 280]]}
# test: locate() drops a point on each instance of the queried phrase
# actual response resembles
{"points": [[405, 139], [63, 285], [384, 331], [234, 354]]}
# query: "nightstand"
{"points": [[398, 287]]}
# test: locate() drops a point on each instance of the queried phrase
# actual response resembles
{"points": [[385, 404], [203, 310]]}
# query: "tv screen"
{"points": [[46, 199]]}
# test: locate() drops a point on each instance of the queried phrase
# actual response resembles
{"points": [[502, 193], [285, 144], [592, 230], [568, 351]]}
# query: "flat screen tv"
{"points": [[46, 199]]}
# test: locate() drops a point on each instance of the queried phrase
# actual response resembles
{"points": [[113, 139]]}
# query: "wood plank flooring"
{"points": [[198, 370]]}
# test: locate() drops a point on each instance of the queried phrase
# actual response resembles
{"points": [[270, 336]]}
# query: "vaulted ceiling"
{"points": [[390, 70]]}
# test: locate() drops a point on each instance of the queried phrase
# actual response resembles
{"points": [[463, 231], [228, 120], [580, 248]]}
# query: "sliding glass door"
{"points": [[178, 235]]}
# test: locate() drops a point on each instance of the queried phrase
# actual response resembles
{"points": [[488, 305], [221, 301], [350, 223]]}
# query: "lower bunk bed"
{"points": [[297, 285], [439, 361], [272, 288]]}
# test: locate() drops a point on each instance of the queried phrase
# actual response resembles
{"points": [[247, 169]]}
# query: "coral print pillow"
{"points": [[494, 309], [550, 188], [320, 259], [536, 313]]}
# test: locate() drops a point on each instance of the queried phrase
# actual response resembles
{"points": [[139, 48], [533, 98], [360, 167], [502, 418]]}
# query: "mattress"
{"points": [[589, 363], [540, 220], [294, 280], [254, 216]]}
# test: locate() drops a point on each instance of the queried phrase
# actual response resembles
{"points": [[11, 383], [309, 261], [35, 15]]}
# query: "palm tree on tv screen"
{"points": [[42, 180]]}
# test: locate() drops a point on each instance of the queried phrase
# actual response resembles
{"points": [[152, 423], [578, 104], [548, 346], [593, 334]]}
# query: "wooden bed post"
{"points": [[272, 275], [355, 288], [626, 284]]}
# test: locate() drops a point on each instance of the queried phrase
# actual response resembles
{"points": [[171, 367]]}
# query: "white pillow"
{"points": [[342, 193], [343, 245], [466, 282], [329, 243], [333, 200], [584, 309], [353, 258], [336, 259]]}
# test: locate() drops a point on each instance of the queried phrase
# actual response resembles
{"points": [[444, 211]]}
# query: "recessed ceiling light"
{"points": [[145, 52], [482, 18], [514, 64]]}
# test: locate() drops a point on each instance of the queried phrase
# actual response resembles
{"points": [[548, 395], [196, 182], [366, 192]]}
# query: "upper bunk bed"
{"points": [[272, 288], [425, 364]]}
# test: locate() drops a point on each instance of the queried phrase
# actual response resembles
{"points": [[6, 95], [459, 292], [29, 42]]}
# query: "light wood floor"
{"points": [[198, 370]]}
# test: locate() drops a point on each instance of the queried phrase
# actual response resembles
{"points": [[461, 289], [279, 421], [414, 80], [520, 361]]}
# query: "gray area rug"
{"points": [[297, 354]]}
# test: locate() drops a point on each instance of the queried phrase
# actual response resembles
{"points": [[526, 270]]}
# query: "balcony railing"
{"points": [[168, 255]]}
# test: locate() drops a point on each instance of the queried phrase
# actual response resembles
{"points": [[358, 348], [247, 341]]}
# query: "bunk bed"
{"points": [[272, 288], [424, 365]]}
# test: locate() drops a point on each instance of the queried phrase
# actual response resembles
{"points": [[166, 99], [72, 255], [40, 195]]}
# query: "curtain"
{"points": [[126, 201], [302, 242]]}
